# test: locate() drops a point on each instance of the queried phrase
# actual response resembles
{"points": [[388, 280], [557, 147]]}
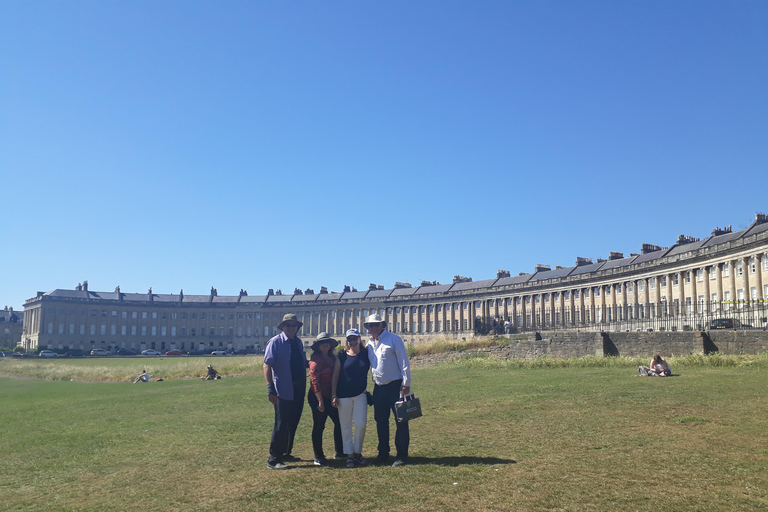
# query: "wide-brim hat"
{"points": [[324, 337], [289, 317], [374, 319]]}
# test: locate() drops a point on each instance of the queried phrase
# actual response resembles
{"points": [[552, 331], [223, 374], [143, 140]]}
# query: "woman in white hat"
{"points": [[350, 379]]}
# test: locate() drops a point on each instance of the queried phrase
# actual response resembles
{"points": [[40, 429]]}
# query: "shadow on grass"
{"points": [[458, 461], [418, 461]]}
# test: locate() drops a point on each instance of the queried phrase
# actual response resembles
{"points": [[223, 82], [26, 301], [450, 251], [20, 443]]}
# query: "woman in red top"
{"points": [[319, 397]]}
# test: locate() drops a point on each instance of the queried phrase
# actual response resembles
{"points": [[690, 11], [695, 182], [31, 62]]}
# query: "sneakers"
{"points": [[321, 462], [381, 459], [291, 458], [339, 456], [276, 465], [399, 462]]}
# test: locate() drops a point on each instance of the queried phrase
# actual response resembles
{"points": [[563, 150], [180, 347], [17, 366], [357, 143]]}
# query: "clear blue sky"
{"points": [[188, 144]]}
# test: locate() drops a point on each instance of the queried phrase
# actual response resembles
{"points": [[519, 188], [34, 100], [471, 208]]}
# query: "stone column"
{"points": [[552, 315], [561, 306], [732, 279], [694, 291], [534, 324], [719, 284], [747, 293], [582, 307], [759, 276]]}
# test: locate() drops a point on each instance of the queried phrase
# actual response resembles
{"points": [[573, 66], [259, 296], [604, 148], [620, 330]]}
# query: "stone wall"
{"points": [[564, 344]]}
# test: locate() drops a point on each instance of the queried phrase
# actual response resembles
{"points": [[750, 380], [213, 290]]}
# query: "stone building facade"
{"points": [[11, 326], [683, 287]]}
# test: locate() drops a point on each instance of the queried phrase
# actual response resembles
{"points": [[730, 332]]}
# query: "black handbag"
{"points": [[408, 408]]}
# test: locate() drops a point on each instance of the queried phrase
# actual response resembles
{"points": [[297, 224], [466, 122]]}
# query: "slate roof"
{"points": [[682, 248], [473, 285], [727, 237], [378, 294], [279, 298], [402, 292], [353, 295], [585, 269], [433, 288], [506, 281], [643, 258], [225, 298], [552, 274], [621, 262], [251, 299], [328, 296]]}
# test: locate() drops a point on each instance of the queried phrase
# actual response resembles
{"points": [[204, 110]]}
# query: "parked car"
{"points": [[48, 353], [126, 352], [219, 353], [75, 353], [150, 352], [725, 323], [174, 352], [100, 352]]}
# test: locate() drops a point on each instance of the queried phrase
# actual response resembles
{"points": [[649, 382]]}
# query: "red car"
{"points": [[174, 352]]}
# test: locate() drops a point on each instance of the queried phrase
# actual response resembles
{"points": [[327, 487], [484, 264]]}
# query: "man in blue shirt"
{"points": [[391, 373], [285, 371]]}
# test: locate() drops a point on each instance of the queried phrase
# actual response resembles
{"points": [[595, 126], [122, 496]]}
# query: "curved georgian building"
{"points": [[684, 286]]}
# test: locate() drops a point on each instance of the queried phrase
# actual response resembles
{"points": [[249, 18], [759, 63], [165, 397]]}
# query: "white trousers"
{"points": [[355, 410]]}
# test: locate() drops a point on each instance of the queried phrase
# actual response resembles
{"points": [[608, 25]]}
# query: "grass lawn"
{"points": [[495, 436]]}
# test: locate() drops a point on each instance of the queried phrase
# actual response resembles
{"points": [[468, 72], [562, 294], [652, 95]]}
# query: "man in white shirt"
{"points": [[392, 379]]}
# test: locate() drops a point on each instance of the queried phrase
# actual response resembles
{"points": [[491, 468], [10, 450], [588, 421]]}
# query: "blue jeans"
{"points": [[384, 398]]}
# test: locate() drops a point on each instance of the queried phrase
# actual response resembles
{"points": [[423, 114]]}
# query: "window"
{"points": [[641, 286], [194, 316], [61, 328], [174, 316], [113, 330], [114, 313], [739, 269], [192, 331], [144, 315], [143, 330], [753, 293], [133, 330], [123, 330], [652, 284], [93, 330], [699, 275], [713, 273], [663, 281], [134, 314], [173, 330], [154, 314], [675, 279], [163, 331], [765, 263], [202, 316], [726, 269], [82, 329], [687, 278], [71, 328], [183, 316], [752, 265], [125, 314], [154, 330], [183, 331]]}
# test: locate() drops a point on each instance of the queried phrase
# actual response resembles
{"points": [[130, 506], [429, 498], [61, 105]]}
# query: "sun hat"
{"points": [[289, 317], [353, 332], [374, 319], [324, 337]]}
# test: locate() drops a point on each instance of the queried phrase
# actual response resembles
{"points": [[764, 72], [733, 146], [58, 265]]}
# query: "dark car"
{"points": [[174, 352], [725, 323], [126, 352]]}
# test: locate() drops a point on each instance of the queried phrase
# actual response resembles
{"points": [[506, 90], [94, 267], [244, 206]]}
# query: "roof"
{"points": [[621, 262], [586, 269], [552, 274], [329, 296], [378, 294], [473, 285], [506, 281], [727, 237], [643, 258], [681, 248], [402, 292], [279, 298], [353, 295], [433, 288]]}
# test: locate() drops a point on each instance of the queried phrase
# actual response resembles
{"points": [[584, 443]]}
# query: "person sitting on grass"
{"points": [[142, 377], [212, 374], [658, 368]]}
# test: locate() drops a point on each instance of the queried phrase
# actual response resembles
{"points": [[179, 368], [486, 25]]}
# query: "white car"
{"points": [[100, 352], [219, 353], [150, 352], [48, 353]]}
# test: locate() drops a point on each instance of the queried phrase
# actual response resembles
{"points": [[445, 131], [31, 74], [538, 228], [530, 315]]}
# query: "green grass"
{"points": [[496, 435]]}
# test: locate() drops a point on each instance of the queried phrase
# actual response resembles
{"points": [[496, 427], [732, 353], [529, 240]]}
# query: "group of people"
{"points": [[338, 389]]}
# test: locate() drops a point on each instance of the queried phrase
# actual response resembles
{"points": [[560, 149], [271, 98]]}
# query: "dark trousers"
{"points": [[384, 398], [287, 416], [318, 425]]}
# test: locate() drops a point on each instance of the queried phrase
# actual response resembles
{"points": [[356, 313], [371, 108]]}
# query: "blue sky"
{"points": [[257, 145]]}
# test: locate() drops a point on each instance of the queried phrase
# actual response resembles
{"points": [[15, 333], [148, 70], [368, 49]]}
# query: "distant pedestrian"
{"points": [[142, 377]]}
